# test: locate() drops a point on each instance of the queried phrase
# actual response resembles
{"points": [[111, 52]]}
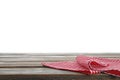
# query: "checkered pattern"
{"points": [[88, 65]]}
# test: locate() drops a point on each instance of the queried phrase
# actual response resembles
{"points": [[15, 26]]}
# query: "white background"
{"points": [[51, 26]]}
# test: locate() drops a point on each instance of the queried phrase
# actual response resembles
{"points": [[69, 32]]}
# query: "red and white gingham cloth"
{"points": [[88, 65]]}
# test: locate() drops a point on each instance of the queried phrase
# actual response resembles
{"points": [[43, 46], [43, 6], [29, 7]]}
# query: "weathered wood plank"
{"points": [[57, 54], [45, 58], [48, 74], [19, 64], [28, 67], [33, 61], [35, 71], [40, 58], [39, 72], [58, 77]]}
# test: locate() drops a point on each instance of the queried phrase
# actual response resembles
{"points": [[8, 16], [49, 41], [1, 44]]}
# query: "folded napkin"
{"points": [[88, 65]]}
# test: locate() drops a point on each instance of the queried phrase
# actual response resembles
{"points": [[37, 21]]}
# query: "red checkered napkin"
{"points": [[88, 65]]}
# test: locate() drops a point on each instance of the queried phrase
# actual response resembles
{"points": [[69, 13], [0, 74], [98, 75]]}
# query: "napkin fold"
{"points": [[88, 65]]}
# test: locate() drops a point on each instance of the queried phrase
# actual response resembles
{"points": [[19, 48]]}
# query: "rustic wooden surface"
{"points": [[28, 67]]}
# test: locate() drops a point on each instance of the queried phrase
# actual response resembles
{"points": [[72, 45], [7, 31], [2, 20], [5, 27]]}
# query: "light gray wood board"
{"points": [[48, 74], [58, 54], [33, 61], [35, 71], [46, 58]]}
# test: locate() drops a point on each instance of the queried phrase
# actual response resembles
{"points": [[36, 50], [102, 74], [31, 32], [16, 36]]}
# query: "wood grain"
{"points": [[28, 67], [57, 77], [33, 61], [58, 54], [48, 74], [35, 71], [40, 58]]}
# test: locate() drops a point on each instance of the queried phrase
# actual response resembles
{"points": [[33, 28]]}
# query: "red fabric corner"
{"points": [[88, 65]]}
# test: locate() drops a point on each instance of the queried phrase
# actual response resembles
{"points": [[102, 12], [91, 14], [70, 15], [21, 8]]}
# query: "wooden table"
{"points": [[28, 67]]}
